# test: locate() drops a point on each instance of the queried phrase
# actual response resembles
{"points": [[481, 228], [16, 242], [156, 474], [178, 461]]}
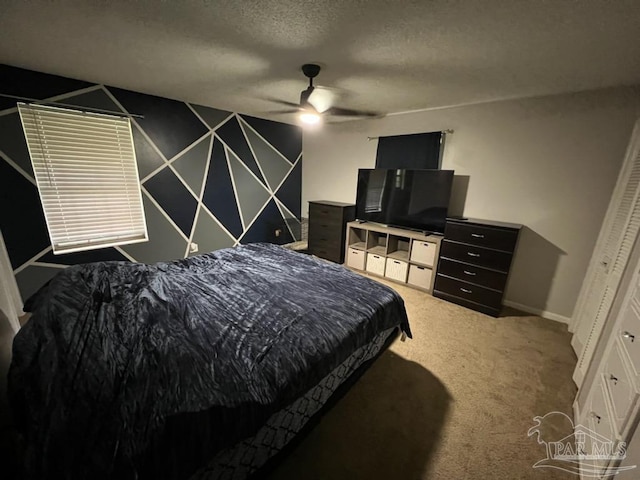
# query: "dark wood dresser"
{"points": [[327, 226], [474, 263]]}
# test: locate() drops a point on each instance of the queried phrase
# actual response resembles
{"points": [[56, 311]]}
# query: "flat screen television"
{"points": [[416, 199]]}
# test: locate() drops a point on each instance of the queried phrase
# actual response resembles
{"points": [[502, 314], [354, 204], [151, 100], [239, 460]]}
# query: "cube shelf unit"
{"points": [[403, 256]]}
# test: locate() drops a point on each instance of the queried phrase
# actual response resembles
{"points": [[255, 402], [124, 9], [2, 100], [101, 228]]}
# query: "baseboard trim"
{"points": [[539, 312]]}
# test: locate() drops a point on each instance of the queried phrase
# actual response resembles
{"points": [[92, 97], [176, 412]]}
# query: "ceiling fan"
{"points": [[317, 102]]}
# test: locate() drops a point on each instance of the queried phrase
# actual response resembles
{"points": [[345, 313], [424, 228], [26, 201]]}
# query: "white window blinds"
{"points": [[86, 172]]}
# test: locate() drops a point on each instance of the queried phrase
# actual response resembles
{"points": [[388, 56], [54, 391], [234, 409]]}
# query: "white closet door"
{"points": [[617, 237]]}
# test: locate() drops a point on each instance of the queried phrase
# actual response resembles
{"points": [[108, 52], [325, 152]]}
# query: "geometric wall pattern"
{"points": [[209, 177]]}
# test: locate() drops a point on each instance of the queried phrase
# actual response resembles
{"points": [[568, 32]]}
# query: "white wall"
{"points": [[549, 163]]}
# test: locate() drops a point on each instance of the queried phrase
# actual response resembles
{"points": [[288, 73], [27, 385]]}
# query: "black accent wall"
{"points": [[210, 177]]}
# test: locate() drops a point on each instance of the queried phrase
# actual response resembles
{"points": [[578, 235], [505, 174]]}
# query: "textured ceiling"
{"points": [[382, 55]]}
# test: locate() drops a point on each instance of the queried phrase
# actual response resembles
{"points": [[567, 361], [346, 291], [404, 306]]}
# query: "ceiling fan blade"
{"points": [[283, 102], [291, 110], [321, 98], [347, 112]]}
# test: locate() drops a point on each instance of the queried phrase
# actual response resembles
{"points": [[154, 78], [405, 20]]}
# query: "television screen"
{"points": [[417, 199]]}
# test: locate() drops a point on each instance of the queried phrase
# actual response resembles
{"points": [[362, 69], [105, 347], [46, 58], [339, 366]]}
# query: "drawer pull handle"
{"points": [[467, 272], [471, 254], [465, 290], [613, 378], [596, 416], [629, 336], [396, 262], [477, 235]]}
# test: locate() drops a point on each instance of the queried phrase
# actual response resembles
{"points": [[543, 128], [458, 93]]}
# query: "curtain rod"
{"points": [[68, 105], [449, 131]]}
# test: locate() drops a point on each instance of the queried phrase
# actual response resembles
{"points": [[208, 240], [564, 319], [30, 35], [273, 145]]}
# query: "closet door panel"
{"points": [[613, 249]]}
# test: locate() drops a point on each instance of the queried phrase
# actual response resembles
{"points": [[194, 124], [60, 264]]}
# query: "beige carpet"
{"points": [[455, 402]]}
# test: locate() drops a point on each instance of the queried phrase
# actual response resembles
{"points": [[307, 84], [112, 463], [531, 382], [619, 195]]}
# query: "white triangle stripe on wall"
{"points": [[166, 162], [246, 125], [50, 265], [17, 168], [268, 162], [203, 120], [164, 214], [202, 187], [228, 148], [245, 170], [256, 217], [125, 254], [235, 188], [293, 166], [32, 260], [198, 116], [187, 148], [57, 98], [282, 209], [213, 217], [255, 157]]}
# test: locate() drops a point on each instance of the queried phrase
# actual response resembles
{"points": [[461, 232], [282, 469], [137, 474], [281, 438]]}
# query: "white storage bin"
{"points": [[420, 276], [423, 252], [355, 258], [375, 263], [396, 270]]}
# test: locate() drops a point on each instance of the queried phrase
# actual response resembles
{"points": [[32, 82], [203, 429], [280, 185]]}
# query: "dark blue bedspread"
{"points": [[127, 370]]}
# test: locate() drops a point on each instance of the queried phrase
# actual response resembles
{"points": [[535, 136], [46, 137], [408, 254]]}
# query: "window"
{"points": [[86, 172]]}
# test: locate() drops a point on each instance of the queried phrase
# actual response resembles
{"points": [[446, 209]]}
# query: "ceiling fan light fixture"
{"points": [[310, 118], [316, 103]]}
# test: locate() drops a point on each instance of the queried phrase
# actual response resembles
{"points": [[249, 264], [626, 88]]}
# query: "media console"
{"points": [[469, 266], [400, 255]]}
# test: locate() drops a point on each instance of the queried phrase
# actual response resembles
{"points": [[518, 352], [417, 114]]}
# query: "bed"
{"points": [[202, 368]]}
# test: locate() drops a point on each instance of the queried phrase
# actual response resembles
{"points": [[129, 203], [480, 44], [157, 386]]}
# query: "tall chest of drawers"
{"points": [[327, 226], [475, 259]]}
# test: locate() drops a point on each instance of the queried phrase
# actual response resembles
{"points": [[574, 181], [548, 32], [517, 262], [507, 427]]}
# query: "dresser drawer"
{"points": [[620, 386], [482, 236], [319, 226], [331, 248], [482, 257], [332, 253], [327, 233], [473, 274], [468, 292], [325, 213], [375, 263]]}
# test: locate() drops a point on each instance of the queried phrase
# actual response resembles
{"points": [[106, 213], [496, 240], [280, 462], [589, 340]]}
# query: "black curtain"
{"points": [[415, 151]]}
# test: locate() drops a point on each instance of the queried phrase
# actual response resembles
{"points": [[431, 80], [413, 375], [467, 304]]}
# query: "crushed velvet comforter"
{"points": [[127, 370]]}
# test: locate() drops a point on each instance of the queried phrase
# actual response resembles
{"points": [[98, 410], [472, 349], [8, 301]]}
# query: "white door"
{"points": [[613, 248]]}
